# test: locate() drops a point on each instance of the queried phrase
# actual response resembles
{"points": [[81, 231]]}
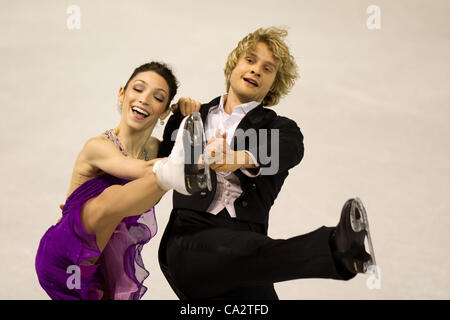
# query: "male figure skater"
{"points": [[215, 245]]}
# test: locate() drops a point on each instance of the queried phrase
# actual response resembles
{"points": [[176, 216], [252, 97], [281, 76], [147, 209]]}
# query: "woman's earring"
{"points": [[161, 122]]}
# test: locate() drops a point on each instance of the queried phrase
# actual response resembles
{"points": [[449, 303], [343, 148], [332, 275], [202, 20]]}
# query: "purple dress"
{"points": [[62, 265]]}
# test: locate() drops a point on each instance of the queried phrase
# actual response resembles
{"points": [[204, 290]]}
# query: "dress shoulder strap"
{"points": [[112, 136]]}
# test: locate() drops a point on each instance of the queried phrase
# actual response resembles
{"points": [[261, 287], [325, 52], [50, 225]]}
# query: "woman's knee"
{"points": [[99, 209]]}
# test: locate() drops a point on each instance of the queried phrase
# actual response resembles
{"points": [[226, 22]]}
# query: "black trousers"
{"points": [[205, 256]]}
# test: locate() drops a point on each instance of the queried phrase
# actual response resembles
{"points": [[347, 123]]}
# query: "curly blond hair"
{"points": [[286, 66]]}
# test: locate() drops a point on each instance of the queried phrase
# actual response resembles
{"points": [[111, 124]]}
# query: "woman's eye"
{"points": [[138, 90], [159, 99], [249, 60]]}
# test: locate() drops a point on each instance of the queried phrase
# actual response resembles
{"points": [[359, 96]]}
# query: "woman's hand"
{"points": [[153, 161], [186, 106]]}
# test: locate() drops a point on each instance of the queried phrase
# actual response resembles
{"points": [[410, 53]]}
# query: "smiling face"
{"points": [[144, 100], [254, 74]]}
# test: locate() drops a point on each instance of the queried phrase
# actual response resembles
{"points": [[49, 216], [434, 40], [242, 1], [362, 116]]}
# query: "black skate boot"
{"points": [[194, 142], [347, 240]]}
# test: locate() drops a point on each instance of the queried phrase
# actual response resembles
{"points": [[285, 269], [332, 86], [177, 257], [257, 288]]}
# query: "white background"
{"points": [[372, 105]]}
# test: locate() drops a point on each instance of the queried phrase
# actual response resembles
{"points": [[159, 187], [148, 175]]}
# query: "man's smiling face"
{"points": [[254, 74]]}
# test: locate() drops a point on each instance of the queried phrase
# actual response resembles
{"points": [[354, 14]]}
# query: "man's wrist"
{"points": [[242, 158]]}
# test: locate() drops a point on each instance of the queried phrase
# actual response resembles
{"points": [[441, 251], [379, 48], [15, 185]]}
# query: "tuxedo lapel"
{"points": [[255, 119], [204, 109]]}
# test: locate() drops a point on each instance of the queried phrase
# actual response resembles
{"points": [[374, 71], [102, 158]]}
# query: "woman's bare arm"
{"points": [[102, 154]]}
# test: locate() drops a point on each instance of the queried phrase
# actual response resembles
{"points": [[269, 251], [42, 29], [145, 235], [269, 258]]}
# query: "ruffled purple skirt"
{"points": [[62, 264]]}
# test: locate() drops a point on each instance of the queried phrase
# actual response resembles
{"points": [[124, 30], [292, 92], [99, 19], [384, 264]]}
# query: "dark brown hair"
{"points": [[164, 71]]}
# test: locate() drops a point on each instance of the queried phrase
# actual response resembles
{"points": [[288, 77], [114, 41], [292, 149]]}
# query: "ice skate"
{"points": [[348, 239], [195, 145], [180, 171]]}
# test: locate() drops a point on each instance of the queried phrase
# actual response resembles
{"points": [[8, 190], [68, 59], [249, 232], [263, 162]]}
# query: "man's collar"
{"points": [[254, 118], [242, 108]]}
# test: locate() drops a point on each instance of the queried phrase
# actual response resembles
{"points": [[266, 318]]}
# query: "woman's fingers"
{"points": [[196, 105], [187, 106], [182, 104]]}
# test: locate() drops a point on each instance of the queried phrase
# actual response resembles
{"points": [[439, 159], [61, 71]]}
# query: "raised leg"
{"points": [[102, 214]]}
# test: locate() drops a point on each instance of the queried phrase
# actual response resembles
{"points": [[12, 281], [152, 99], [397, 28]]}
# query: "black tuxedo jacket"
{"points": [[259, 193]]}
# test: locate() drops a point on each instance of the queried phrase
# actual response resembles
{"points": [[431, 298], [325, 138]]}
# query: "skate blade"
{"points": [[201, 138], [195, 144], [360, 223]]}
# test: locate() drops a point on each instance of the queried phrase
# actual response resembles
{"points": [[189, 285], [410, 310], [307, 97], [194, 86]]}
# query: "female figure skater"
{"points": [[94, 251]]}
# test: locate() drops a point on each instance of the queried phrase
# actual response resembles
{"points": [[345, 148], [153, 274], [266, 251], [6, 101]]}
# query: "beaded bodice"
{"points": [[111, 135]]}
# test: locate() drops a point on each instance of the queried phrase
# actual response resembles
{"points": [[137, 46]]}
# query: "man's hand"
{"points": [[187, 106], [221, 158]]}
